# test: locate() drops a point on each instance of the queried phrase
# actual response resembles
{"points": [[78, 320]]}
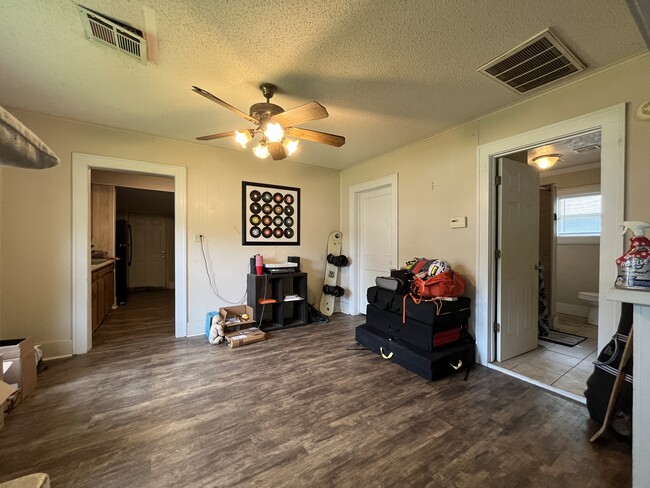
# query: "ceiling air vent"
{"points": [[537, 62], [111, 33]]}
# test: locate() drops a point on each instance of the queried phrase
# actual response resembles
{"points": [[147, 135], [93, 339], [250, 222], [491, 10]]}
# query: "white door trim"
{"points": [[81, 292], [354, 192], [611, 122]]}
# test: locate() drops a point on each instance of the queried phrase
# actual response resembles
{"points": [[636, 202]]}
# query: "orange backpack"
{"points": [[446, 284]]}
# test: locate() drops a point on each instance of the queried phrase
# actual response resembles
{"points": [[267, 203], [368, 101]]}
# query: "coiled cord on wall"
{"points": [[214, 288]]}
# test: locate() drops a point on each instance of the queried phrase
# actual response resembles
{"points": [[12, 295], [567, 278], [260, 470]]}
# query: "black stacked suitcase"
{"points": [[425, 326], [434, 365], [429, 338]]}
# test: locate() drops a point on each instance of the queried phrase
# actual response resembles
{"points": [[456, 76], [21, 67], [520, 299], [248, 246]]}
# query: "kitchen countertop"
{"points": [[101, 264]]}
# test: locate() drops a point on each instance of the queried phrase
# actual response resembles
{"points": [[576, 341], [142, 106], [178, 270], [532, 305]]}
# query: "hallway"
{"points": [[148, 315]]}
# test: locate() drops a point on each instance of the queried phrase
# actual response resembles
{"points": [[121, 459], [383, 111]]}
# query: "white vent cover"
{"points": [[537, 62], [107, 32]]}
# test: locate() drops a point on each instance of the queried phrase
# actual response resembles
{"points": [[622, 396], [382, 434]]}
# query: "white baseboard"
{"points": [[196, 328], [56, 357], [343, 306], [571, 309], [56, 349]]}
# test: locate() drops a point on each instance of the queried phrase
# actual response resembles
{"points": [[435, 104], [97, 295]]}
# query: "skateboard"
{"points": [[330, 290]]}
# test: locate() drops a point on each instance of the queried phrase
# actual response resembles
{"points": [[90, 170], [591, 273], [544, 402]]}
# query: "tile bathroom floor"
{"points": [[563, 367]]}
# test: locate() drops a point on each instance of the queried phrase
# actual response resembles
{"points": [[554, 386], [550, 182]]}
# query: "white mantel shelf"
{"points": [[641, 385]]}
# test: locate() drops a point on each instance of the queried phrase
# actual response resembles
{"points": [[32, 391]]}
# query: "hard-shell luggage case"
{"points": [[433, 312], [418, 334], [430, 365]]}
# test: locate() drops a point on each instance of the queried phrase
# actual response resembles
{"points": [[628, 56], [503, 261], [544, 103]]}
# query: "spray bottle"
{"points": [[634, 265]]}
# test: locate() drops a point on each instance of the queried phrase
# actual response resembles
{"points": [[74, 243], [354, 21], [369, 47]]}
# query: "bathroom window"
{"points": [[578, 215]]}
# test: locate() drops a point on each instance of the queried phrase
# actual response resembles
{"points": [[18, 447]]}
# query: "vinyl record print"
{"points": [[270, 215]]}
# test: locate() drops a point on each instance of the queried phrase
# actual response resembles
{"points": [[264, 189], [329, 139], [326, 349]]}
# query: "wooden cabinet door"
{"points": [[101, 312], [109, 291], [95, 314]]}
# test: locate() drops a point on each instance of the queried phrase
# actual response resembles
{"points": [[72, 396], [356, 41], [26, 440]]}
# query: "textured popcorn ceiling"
{"points": [[389, 72]]}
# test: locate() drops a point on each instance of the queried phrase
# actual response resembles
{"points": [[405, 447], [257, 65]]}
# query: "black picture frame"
{"points": [[270, 215]]}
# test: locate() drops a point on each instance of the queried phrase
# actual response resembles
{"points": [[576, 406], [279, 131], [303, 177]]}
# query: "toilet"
{"points": [[591, 298]]}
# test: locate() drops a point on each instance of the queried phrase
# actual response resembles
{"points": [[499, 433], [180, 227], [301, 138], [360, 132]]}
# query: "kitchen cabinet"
{"points": [[102, 218], [102, 292]]}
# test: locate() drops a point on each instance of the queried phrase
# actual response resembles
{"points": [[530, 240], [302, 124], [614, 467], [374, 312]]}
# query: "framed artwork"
{"points": [[270, 215]]}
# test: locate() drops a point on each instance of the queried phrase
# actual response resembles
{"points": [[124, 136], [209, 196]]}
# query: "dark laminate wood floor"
{"points": [[305, 408]]}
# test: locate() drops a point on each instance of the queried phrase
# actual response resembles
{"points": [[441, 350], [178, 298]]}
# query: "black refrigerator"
{"points": [[124, 253]]}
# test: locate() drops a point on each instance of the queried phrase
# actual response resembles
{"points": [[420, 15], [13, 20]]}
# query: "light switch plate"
{"points": [[457, 222]]}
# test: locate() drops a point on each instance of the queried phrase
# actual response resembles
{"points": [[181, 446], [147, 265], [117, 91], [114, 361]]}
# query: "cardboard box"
{"points": [[20, 352], [8, 398], [232, 320], [246, 336]]}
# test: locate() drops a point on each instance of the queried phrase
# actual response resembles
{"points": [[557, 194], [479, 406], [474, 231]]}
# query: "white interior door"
{"points": [[518, 243], [148, 262], [376, 244]]}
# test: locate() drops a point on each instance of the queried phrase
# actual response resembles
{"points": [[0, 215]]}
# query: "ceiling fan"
{"points": [[275, 126]]}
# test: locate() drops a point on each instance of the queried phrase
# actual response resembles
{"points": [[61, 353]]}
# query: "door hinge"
{"points": [[497, 254], [497, 327], [498, 180]]}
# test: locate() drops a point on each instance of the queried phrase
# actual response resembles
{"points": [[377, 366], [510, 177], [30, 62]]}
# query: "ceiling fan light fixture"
{"points": [[274, 132], [270, 120], [546, 161], [291, 145], [261, 151], [243, 138]]}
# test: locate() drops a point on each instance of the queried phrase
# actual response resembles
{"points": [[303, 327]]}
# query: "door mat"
{"points": [[562, 338]]}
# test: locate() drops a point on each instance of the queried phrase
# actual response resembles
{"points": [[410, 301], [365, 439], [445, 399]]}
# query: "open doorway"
{"points": [[83, 165], [564, 336], [611, 123], [132, 226]]}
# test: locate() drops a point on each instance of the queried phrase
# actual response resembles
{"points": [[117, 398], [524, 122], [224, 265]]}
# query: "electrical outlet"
{"points": [[198, 237]]}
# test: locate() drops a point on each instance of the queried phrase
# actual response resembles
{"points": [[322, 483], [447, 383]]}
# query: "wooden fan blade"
{"points": [[217, 136], [211, 97], [277, 151], [315, 136], [303, 113]]}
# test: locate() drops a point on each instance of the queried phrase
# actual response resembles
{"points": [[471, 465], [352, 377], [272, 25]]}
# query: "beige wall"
{"points": [[577, 270], [437, 180], [577, 264], [448, 160], [37, 224], [573, 179], [626, 83]]}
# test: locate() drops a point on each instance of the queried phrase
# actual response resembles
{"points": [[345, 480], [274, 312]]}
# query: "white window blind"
{"points": [[578, 214]]}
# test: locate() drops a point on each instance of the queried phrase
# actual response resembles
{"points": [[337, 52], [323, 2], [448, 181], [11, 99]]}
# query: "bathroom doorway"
{"points": [[568, 265]]}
